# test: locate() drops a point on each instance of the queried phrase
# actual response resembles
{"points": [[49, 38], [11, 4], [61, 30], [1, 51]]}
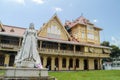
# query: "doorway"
{"points": [[85, 64], [12, 59], [48, 63], [96, 64]]}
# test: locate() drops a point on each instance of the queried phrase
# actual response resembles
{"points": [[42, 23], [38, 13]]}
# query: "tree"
{"points": [[105, 43], [115, 52]]}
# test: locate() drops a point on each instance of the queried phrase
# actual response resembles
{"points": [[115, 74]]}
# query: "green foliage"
{"points": [[105, 43], [115, 50], [87, 75]]}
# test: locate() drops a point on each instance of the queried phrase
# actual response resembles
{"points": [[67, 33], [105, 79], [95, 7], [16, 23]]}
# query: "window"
{"points": [[96, 35], [53, 32], [89, 27], [12, 30], [90, 36], [83, 35]]}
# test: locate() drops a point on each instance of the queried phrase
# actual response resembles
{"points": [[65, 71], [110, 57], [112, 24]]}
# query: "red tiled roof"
{"points": [[17, 30], [80, 20]]}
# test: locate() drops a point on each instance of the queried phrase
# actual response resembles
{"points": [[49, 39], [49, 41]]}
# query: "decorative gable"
{"points": [[54, 29]]}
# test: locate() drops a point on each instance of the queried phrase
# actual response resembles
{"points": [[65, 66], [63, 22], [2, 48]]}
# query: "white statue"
{"points": [[28, 55]]}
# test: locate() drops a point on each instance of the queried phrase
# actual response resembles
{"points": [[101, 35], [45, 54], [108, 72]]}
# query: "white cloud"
{"points": [[39, 1], [95, 20], [58, 9], [115, 41], [18, 1]]}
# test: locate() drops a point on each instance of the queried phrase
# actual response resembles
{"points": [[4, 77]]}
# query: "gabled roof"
{"points": [[18, 31], [80, 20], [58, 20]]}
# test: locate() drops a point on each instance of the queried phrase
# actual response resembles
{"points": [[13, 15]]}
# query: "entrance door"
{"points": [[56, 63], [2, 59], [96, 64], [85, 64], [48, 63], [11, 61]]}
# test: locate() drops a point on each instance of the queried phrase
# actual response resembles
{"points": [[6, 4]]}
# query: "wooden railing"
{"points": [[71, 53], [11, 47]]}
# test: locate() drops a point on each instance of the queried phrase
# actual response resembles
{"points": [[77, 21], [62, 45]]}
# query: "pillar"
{"points": [[60, 63], [74, 48], [90, 63], [81, 64], [58, 46], [7, 58], [67, 63], [74, 63], [99, 63], [44, 61], [52, 63], [40, 45], [20, 41]]}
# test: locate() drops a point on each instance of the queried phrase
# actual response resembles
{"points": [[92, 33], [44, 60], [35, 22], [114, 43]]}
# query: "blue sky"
{"points": [[103, 13]]}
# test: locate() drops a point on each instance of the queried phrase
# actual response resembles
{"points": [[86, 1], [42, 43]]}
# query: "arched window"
{"points": [[71, 63], [63, 62]]}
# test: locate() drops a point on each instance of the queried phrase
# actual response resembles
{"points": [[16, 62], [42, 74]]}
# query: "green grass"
{"points": [[84, 75], [87, 75], [2, 72]]}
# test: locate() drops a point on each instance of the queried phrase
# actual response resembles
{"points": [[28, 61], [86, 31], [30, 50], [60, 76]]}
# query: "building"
{"points": [[73, 46], [114, 64]]}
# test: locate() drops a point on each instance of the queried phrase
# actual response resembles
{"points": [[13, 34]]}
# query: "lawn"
{"points": [[87, 75], [2, 72], [84, 75]]}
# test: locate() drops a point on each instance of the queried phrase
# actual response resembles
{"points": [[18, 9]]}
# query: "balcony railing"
{"points": [[11, 47], [71, 53]]}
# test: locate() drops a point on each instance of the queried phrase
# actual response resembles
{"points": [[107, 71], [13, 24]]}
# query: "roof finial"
{"points": [[81, 14]]}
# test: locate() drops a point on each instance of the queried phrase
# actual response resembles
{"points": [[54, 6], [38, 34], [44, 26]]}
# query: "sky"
{"points": [[103, 13]]}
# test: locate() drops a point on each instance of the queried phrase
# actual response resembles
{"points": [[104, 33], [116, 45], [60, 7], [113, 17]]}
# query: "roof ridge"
{"points": [[14, 26]]}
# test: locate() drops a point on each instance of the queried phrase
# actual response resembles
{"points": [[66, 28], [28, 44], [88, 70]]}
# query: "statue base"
{"points": [[12, 72], [25, 64]]}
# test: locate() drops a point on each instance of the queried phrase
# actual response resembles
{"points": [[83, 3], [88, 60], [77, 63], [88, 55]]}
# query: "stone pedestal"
{"points": [[25, 64], [25, 72]]}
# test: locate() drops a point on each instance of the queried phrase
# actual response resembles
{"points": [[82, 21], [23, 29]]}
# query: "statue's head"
{"points": [[31, 26]]}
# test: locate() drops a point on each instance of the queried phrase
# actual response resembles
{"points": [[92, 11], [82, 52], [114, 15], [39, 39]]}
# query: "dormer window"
{"points": [[12, 30], [90, 27]]}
